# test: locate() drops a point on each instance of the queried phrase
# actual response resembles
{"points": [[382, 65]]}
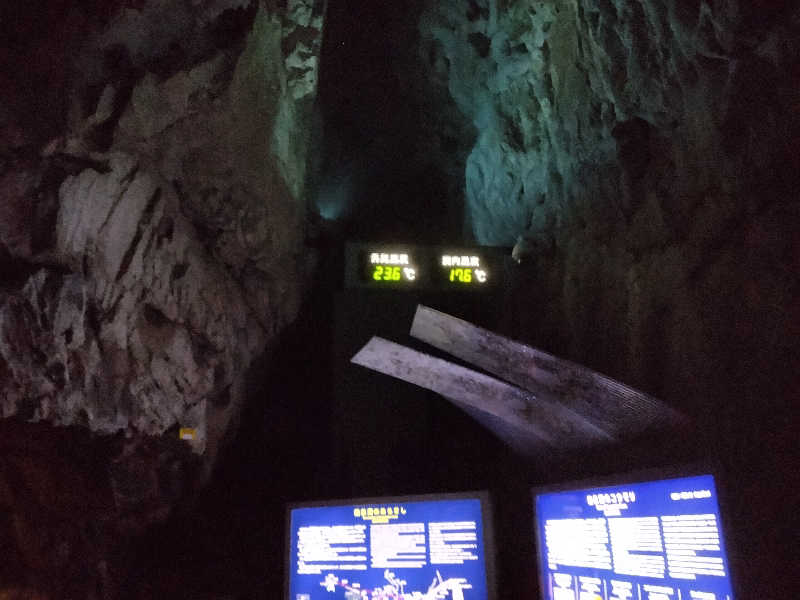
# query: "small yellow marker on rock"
{"points": [[187, 433]]}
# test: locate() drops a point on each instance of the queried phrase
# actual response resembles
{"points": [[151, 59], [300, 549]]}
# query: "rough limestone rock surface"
{"points": [[151, 249], [173, 257], [643, 156], [645, 152], [563, 91]]}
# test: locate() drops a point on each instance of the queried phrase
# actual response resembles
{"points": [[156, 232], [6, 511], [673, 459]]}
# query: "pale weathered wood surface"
{"points": [[518, 416], [608, 404]]}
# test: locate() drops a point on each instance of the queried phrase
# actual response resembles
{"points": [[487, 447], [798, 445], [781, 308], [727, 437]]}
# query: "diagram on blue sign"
{"points": [[394, 589]]}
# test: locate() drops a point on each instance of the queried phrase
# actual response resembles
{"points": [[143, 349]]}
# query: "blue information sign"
{"points": [[389, 549], [657, 540]]}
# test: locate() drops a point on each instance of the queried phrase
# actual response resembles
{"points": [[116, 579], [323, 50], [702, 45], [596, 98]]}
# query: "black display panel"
{"points": [[416, 267]]}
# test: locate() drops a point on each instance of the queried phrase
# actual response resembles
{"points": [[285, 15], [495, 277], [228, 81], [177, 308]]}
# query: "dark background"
{"points": [[334, 430], [307, 429]]}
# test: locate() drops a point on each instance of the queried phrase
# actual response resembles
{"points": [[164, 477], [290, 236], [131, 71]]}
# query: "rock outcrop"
{"points": [[171, 252], [646, 152], [151, 247], [576, 103]]}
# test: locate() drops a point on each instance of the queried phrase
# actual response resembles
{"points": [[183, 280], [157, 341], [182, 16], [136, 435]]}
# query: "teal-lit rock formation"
{"points": [[646, 152], [637, 147]]}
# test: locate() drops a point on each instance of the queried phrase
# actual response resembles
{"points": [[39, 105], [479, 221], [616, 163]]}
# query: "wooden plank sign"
{"points": [[614, 407], [532, 422]]}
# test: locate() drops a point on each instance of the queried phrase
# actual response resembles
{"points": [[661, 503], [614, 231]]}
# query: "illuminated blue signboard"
{"points": [[390, 549], [657, 540]]}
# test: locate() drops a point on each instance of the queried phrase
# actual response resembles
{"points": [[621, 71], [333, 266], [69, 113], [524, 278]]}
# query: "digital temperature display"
{"points": [[464, 269], [417, 267], [391, 267], [390, 273]]}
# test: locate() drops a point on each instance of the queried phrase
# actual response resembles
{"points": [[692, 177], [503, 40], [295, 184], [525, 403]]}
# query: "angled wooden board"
{"points": [[611, 406], [517, 416]]}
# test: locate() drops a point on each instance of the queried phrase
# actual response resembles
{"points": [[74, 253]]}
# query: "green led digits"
{"points": [[386, 273], [391, 267], [464, 269], [462, 275]]}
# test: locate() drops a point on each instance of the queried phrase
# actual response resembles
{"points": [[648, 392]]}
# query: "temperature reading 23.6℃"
{"points": [[391, 267]]}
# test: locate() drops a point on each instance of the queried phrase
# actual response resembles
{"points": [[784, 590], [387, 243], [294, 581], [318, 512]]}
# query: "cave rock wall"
{"points": [[155, 244], [152, 205], [644, 152], [643, 155]]}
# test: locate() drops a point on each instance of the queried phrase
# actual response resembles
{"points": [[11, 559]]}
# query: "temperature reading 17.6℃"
{"points": [[464, 269]]}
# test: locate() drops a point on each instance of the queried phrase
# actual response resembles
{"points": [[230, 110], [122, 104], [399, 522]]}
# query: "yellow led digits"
{"points": [[464, 269], [405, 267], [386, 273], [462, 275], [391, 267]]}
